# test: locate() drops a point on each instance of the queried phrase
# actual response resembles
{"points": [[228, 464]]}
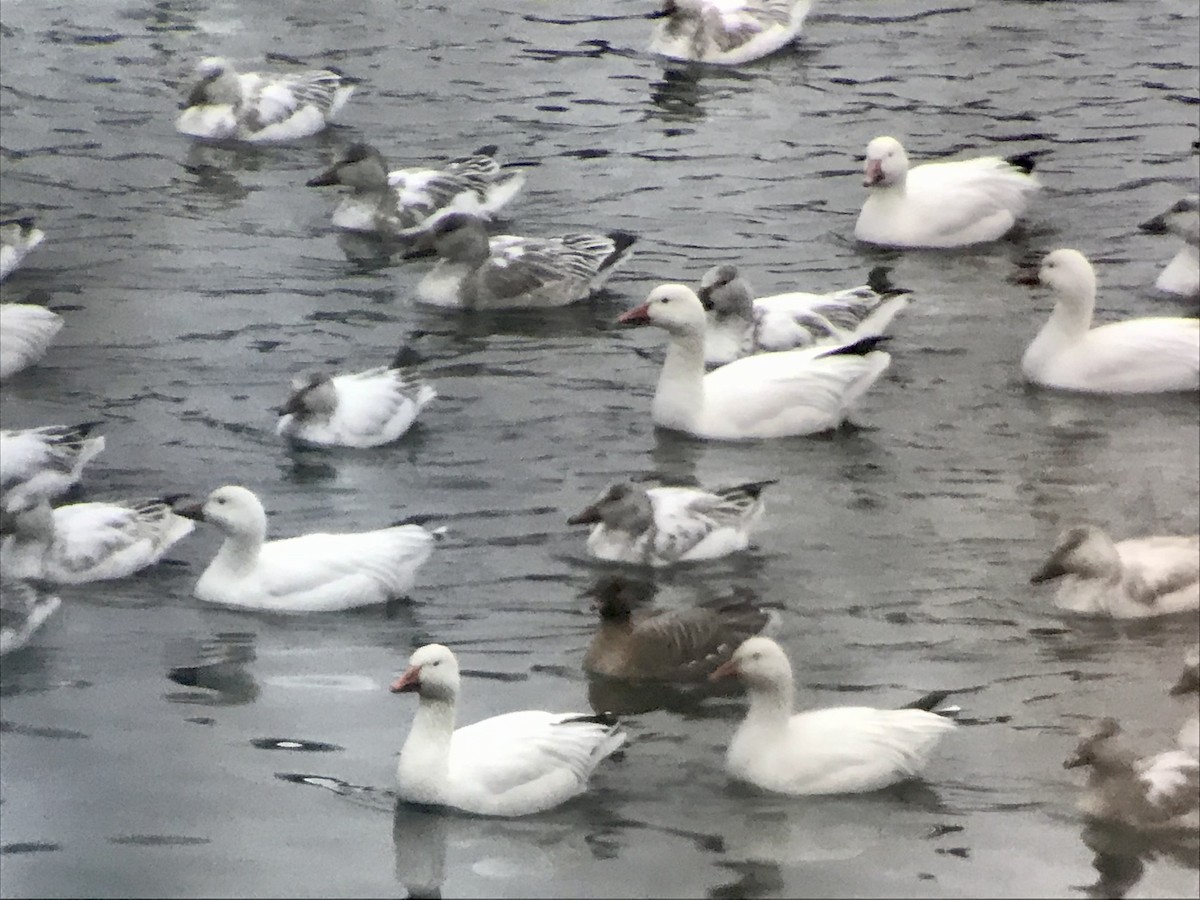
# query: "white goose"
{"points": [[767, 395], [358, 409], [839, 750], [663, 525], [84, 542], [740, 325], [1152, 354], [260, 107], [1182, 274], [310, 573], [17, 238], [23, 610], [512, 764], [395, 203], [940, 204], [1137, 578], [1152, 793], [726, 32], [509, 272], [44, 463], [26, 330]]}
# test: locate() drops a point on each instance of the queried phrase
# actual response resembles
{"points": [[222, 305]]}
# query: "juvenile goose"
{"points": [[393, 203], [510, 272], [512, 764], [1182, 274], [638, 643], [664, 525], [310, 573], [839, 750], [23, 610], [940, 204], [1136, 578], [1158, 353], [767, 395], [83, 542], [26, 330], [726, 32], [44, 463], [17, 238], [358, 409], [260, 107], [1155, 793], [740, 325]]}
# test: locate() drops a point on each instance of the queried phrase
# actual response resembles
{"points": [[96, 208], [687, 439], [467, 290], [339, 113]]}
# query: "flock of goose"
{"points": [[737, 368]]}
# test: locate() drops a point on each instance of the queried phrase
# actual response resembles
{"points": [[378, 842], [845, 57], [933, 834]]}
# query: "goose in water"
{"points": [[1152, 354], [941, 204], [513, 764], [726, 32], [44, 463], [17, 238], [1182, 274], [1136, 578], [768, 395], [26, 330]]}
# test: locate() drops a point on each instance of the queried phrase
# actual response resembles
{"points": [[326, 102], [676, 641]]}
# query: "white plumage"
{"points": [[26, 330], [17, 238], [43, 463], [1158, 353], [726, 32], [1182, 274], [309, 573], [512, 764]]}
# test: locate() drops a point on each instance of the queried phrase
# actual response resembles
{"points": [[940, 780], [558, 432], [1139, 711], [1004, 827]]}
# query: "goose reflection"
{"points": [[1121, 855], [216, 667]]}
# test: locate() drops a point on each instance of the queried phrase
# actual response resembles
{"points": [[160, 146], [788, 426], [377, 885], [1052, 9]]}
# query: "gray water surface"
{"points": [[139, 732]]}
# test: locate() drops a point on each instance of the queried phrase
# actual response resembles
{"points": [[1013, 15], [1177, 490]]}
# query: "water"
{"points": [[141, 733]]}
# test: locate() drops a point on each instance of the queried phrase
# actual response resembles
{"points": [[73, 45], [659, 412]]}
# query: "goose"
{"points": [[740, 325], [663, 525], [513, 764], [84, 542], [768, 395], [1158, 353], [309, 573], [395, 203], [23, 610], [44, 463], [260, 107], [941, 204], [1182, 274], [1152, 793], [726, 32], [838, 750], [1136, 578], [1189, 683], [686, 644], [26, 330], [510, 272], [17, 238], [356, 409]]}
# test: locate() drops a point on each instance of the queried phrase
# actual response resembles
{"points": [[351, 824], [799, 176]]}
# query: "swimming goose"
{"points": [[357, 409], [1189, 683], [726, 32], [1182, 274], [664, 525], [739, 325], [1160, 792], [941, 204], [637, 643], [395, 203], [310, 573], [1157, 353], [260, 107], [44, 463], [1136, 578], [26, 330], [512, 764], [83, 542], [23, 610], [509, 272], [838, 750], [17, 238], [767, 395]]}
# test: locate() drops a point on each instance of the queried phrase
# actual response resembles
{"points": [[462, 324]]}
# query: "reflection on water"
{"points": [[218, 667]]}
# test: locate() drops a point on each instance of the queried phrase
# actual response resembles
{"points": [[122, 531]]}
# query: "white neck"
{"points": [[679, 397], [239, 552], [1068, 323], [426, 753], [771, 705]]}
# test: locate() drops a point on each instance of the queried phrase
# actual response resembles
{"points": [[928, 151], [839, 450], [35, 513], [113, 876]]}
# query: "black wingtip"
{"points": [[755, 488], [861, 347], [622, 241], [929, 702], [1023, 161], [487, 150], [25, 222], [605, 718]]}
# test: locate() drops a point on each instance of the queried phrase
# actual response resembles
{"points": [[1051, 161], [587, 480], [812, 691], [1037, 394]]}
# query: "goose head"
{"points": [[233, 509], [725, 293], [1069, 274], [758, 661], [886, 163], [1081, 550], [360, 166], [217, 84], [313, 396], [432, 672], [674, 307], [458, 237], [1097, 747], [621, 506], [1182, 220]]}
